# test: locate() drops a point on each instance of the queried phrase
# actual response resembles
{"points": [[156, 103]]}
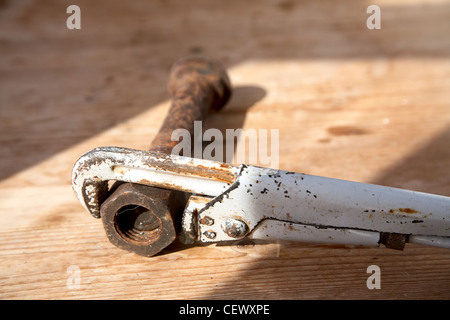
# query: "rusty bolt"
{"points": [[210, 234], [208, 221], [235, 227], [143, 219], [197, 85]]}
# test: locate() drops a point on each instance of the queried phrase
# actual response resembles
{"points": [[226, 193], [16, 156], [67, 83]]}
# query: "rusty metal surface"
{"points": [[393, 240], [197, 84], [140, 219]]}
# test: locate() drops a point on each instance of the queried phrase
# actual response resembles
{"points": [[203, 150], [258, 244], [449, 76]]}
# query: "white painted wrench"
{"points": [[230, 202]]}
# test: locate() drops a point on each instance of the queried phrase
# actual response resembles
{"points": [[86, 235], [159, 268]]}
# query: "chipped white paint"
{"points": [[259, 194]]}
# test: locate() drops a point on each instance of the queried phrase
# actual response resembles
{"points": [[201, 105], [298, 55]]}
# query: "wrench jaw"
{"points": [[157, 182], [94, 192], [89, 182]]}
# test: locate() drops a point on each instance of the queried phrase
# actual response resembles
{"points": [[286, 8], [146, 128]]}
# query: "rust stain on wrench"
{"points": [[143, 219]]}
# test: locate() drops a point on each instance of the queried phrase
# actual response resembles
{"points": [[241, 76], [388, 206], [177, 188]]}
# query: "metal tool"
{"points": [[145, 219], [232, 202], [228, 202]]}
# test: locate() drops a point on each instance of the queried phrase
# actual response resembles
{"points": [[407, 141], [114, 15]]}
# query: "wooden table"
{"points": [[350, 103]]}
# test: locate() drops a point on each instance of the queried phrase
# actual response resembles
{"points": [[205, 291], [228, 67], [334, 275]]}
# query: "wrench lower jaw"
{"points": [[141, 219]]}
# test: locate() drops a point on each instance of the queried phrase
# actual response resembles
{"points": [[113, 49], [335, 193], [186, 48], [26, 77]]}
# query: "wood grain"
{"points": [[349, 103]]}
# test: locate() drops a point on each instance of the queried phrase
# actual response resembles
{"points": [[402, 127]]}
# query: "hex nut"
{"points": [[138, 218]]}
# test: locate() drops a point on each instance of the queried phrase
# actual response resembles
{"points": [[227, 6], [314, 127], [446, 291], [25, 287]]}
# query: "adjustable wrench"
{"points": [[230, 202]]}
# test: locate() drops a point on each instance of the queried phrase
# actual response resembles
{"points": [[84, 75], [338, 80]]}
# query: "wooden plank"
{"points": [[349, 103]]}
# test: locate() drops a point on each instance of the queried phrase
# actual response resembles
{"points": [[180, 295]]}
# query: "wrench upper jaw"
{"points": [[93, 171]]}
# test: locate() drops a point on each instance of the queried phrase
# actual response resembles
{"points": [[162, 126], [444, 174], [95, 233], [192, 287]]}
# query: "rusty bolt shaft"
{"points": [[197, 85], [143, 219]]}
